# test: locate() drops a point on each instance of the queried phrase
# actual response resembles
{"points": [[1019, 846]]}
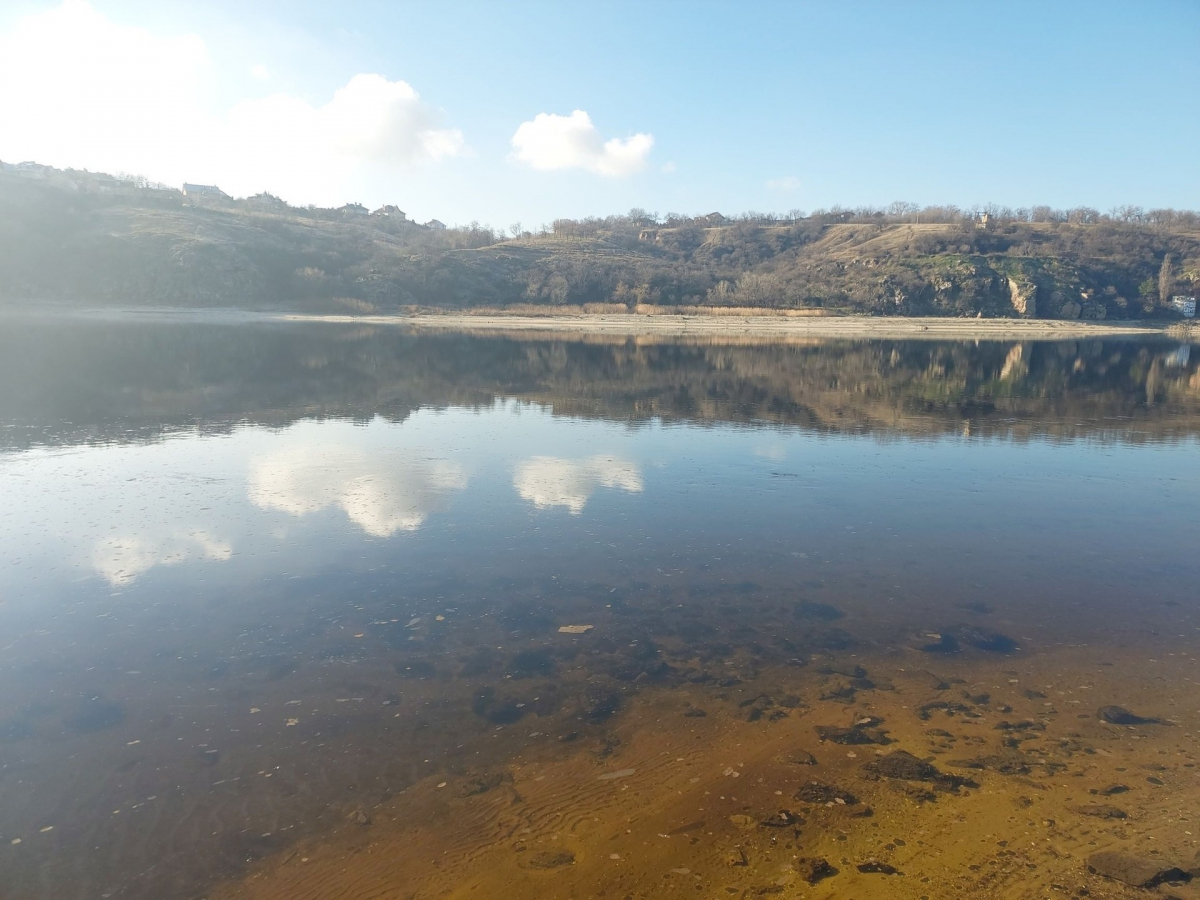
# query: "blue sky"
{"points": [[712, 106]]}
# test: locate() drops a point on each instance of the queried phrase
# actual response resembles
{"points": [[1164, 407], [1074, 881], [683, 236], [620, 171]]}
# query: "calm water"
{"points": [[255, 579]]}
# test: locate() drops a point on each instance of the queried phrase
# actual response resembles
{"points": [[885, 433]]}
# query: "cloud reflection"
{"points": [[122, 558], [547, 481], [379, 495]]}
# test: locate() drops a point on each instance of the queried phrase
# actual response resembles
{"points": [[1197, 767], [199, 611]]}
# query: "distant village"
{"points": [[84, 182]]}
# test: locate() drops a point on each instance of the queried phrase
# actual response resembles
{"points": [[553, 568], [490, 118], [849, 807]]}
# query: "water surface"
{"points": [[265, 587]]}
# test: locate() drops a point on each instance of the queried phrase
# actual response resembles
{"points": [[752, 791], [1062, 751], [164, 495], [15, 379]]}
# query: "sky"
{"points": [[524, 111]]}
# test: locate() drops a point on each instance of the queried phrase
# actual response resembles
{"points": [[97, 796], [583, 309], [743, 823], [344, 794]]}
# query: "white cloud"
{"points": [[787, 184], [547, 481], [122, 558], [379, 495], [83, 91], [572, 142]]}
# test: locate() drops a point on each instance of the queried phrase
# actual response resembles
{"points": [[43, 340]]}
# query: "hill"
{"points": [[71, 238]]}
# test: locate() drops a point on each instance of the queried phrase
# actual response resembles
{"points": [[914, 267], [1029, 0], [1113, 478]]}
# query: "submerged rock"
{"points": [[785, 818], [549, 860], [902, 765], [1006, 763], [1138, 871], [800, 758], [821, 793], [813, 869], [1101, 811], [820, 612], [855, 735], [1119, 715], [877, 867]]}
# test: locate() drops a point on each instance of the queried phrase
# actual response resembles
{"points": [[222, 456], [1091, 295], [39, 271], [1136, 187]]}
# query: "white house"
{"points": [[1185, 306], [202, 190], [391, 212], [436, 225]]}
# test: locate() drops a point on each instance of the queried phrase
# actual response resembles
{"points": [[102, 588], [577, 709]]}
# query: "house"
{"points": [[266, 201], [713, 218], [390, 212], [984, 221], [436, 225], [1185, 306], [353, 211], [202, 190]]}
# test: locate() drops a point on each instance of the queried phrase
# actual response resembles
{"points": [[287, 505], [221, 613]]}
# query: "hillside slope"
{"points": [[150, 248]]}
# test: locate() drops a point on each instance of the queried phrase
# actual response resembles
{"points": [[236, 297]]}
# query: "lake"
{"points": [[319, 610]]}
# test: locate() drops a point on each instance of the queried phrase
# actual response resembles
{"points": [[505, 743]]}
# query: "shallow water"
{"points": [[265, 588]]}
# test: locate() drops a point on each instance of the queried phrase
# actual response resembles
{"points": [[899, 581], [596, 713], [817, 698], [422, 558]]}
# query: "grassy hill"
{"points": [[61, 242]]}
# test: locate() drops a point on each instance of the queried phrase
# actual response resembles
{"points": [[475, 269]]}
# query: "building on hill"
{"points": [[353, 210], [203, 190], [266, 201], [436, 225], [1185, 306], [713, 218], [391, 212]]}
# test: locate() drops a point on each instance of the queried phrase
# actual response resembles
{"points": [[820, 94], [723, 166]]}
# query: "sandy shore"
{"points": [[765, 326]]}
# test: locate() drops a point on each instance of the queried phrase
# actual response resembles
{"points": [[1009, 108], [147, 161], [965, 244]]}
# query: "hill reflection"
{"points": [[66, 382]]}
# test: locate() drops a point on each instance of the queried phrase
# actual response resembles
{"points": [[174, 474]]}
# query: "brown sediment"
{"points": [[669, 805]]}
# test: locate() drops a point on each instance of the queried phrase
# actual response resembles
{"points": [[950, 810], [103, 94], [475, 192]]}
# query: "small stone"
{"points": [[736, 856]]}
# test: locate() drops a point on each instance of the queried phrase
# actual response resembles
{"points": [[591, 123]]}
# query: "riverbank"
{"points": [[765, 326]]}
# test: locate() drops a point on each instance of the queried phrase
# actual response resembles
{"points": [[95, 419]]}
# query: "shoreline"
{"points": [[762, 326], [627, 325]]}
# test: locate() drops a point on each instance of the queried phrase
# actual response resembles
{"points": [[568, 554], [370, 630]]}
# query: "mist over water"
{"points": [[256, 579]]}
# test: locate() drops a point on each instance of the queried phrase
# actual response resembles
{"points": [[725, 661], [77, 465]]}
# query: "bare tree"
{"points": [[1166, 281]]}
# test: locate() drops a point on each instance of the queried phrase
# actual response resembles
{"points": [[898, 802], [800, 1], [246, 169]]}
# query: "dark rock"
{"points": [[821, 793], [901, 764], [549, 859], [532, 663], [945, 643], [875, 866], [601, 707], [1112, 789], [820, 612], [783, 819], [1034, 695], [1138, 871], [1119, 715], [847, 670], [839, 692], [813, 869], [1101, 811], [949, 707], [1023, 725], [1010, 763], [481, 784], [852, 736], [991, 641], [695, 713], [801, 758], [736, 856]]}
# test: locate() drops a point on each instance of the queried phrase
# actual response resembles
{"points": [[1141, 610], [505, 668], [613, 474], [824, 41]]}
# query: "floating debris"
{"points": [[575, 629]]}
